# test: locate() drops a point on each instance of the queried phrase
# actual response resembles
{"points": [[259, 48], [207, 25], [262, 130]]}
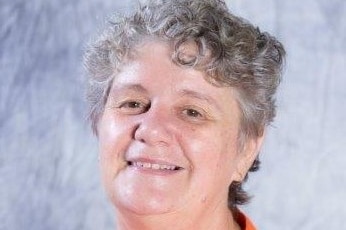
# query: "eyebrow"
{"points": [[128, 87], [183, 92], [200, 96]]}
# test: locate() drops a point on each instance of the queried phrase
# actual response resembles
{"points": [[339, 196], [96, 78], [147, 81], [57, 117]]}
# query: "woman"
{"points": [[181, 93]]}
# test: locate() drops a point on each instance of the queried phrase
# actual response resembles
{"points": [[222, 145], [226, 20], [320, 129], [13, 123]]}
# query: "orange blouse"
{"points": [[244, 222]]}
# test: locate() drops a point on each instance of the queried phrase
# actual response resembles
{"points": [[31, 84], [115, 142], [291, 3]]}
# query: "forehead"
{"points": [[152, 61], [155, 58]]}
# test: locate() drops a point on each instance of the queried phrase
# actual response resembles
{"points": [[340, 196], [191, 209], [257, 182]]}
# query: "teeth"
{"points": [[147, 165]]}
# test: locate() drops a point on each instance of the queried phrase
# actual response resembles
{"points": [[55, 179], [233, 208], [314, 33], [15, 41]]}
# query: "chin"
{"points": [[140, 205], [143, 200], [146, 195]]}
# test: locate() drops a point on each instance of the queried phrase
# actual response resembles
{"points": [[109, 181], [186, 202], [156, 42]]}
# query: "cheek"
{"points": [[113, 134], [114, 138], [214, 153], [109, 136]]}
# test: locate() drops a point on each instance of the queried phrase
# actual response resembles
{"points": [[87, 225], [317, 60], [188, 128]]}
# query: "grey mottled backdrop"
{"points": [[49, 175]]}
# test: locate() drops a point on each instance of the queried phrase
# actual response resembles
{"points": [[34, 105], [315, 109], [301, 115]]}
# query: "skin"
{"points": [[168, 145]]}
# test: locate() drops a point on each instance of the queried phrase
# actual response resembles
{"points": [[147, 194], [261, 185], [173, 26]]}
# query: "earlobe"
{"points": [[247, 156]]}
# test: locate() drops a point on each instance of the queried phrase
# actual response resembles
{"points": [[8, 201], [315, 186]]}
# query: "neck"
{"points": [[214, 219]]}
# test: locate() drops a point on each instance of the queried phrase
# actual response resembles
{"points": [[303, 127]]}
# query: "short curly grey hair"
{"points": [[229, 49]]}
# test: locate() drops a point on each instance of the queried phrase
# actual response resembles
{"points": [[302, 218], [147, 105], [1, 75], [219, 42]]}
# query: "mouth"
{"points": [[153, 166]]}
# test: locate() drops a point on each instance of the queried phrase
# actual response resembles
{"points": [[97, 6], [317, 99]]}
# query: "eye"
{"points": [[192, 113], [133, 107], [131, 104]]}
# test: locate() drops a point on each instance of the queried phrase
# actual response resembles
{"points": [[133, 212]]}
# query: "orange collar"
{"points": [[244, 222]]}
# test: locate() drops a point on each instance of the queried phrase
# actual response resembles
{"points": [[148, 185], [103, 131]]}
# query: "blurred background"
{"points": [[49, 176]]}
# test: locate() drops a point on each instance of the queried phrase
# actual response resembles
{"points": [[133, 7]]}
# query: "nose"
{"points": [[153, 127]]}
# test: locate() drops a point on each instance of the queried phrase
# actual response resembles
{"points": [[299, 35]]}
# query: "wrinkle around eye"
{"points": [[132, 107], [195, 115]]}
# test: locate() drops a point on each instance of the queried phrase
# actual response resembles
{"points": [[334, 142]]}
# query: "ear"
{"points": [[247, 156]]}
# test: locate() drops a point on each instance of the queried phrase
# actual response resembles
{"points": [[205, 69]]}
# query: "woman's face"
{"points": [[168, 138]]}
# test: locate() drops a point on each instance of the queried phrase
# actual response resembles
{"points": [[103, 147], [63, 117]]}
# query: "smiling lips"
{"points": [[153, 166]]}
